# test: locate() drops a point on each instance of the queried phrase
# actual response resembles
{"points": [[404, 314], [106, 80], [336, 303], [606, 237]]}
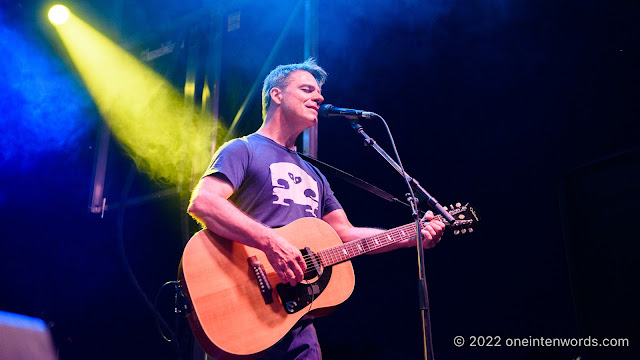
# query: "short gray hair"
{"points": [[278, 78]]}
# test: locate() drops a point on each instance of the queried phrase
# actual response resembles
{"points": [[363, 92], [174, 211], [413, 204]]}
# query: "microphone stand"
{"points": [[423, 295]]}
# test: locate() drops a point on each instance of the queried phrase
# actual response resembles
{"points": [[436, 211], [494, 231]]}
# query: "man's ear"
{"points": [[276, 95]]}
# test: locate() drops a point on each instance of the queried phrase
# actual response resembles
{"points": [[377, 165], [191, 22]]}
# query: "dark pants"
{"points": [[301, 343]]}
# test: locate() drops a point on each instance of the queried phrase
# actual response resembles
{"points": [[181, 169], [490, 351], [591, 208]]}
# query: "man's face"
{"points": [[301, 99]]}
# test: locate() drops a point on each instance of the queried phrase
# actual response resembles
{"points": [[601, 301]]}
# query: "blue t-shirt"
{"points": [[271, 183]]}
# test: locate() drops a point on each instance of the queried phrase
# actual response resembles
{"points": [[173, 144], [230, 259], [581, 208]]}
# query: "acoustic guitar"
{"points": [[238, 307]]}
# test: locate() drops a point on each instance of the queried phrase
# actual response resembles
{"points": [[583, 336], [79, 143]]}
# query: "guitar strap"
{"points": [[352, 179]]}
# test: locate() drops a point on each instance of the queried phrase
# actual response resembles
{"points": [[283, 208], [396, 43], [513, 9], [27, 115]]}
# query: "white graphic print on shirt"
{"points": [[291, 184]]}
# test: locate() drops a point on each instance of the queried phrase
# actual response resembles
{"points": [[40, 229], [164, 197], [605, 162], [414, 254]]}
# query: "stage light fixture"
{"points": [[58, 14]]}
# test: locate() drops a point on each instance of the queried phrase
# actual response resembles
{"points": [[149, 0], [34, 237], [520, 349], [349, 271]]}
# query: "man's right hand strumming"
{"points": [[286, 260], [210, 206]]}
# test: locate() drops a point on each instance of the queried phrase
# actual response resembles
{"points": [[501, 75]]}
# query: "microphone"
{"points": [[328, 110]]}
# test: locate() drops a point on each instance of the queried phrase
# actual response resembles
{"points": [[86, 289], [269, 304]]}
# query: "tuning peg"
{"points": [[445, 208], [464, 231], [458, 204], [456, 232], [451, 206], [470, 230]]}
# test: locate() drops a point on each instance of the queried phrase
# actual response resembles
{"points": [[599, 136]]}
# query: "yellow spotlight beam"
{"points": [[145, 113]]}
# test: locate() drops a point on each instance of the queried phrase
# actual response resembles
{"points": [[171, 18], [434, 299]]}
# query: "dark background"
{"points": [[528, 110]]}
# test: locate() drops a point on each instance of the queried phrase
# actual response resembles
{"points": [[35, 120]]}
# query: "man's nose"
{"points": [[318, 98]]}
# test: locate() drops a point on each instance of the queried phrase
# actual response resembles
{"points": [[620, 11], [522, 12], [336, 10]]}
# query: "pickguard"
{"points": [[296, 298]]}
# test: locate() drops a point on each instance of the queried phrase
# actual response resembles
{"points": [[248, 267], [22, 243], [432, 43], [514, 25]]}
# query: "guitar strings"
{"points": [[308, 259], [394, 237]]}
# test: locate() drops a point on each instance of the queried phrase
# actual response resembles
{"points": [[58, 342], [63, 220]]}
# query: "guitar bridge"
{"points": [[261, 278]]}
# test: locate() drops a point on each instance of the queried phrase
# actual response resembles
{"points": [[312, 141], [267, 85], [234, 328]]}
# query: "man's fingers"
{"points": [[432, 231], [288, 262], [288, 276], [297, 273], [428, 241], [291, 278], [283, 277], [293, 270], [437, 224], [429, 215]]}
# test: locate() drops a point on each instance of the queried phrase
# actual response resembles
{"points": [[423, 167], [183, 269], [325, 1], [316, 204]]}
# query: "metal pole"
{"points": [[310, 136]]}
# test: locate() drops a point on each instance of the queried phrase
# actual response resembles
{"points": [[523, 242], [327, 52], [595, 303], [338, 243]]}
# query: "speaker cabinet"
{"points": [[25, 338]]}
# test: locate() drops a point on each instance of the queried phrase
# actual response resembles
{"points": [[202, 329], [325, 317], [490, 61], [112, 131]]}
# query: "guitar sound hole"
{"points": [[314, 269]]}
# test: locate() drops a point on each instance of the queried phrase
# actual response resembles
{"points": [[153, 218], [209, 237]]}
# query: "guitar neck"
{"points": [[351, 249]]}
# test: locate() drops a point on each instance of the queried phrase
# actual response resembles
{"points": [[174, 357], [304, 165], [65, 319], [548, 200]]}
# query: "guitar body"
{"points": [[233, 315], [229, 316]]}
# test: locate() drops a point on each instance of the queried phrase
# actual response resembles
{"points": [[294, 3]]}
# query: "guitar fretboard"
{"points": [[344, 252]]}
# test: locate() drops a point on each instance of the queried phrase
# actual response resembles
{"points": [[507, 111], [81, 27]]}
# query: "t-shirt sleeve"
{"points": [[330, 201], [231, 162]]}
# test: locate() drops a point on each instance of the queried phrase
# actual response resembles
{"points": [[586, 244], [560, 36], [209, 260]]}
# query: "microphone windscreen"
{"points": [[324, 110]]}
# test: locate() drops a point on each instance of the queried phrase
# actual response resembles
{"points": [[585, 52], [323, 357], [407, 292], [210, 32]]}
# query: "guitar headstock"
{"points": [[464, 217]]}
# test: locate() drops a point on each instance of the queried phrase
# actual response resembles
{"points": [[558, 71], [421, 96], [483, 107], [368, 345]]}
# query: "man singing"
{"points": [[249, 189]]}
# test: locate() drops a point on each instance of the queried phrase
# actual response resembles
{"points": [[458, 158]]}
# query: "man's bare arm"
{"points": [[210, 206]]}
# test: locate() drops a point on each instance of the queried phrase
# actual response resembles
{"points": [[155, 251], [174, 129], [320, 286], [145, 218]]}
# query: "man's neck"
{"points": [[278, 132]]}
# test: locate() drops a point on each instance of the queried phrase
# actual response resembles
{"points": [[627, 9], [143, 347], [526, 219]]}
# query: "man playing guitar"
{"points": [[257, 183]]}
